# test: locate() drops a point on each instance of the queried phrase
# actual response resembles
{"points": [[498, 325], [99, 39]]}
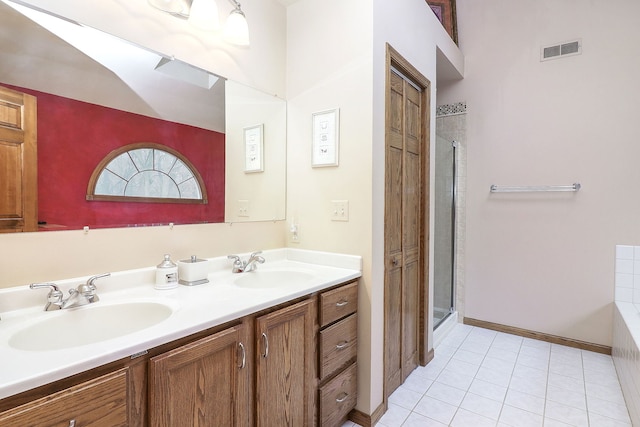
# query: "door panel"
{"points": [[18, 162], [393, 237], [393, 328], [411, 230]]}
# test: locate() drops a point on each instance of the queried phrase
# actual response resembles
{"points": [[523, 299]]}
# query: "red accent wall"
{"points": [[74, 136]]}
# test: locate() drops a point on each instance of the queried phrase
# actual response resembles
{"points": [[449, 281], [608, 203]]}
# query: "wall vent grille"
{"points": [[570, 48]]}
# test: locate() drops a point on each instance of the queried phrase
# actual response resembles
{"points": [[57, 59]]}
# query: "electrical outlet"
{"points": [[339, 210], [243, 208]]}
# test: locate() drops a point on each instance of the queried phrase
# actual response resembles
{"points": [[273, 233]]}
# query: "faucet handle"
{"points": [[54, 298], [255, 254], [92, 279], [238, 265], [52, 286]]}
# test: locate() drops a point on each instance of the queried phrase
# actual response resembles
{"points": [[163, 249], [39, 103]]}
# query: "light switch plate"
{"points": [[294, 233], [339, 210], [243, 208]]}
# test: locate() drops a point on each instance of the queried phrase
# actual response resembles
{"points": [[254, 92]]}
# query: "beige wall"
{"points": [[329, 66], [545, 262], [55, 255]]}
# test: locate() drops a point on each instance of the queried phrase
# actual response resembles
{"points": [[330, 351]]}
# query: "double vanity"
{"points": [[271, 346]]}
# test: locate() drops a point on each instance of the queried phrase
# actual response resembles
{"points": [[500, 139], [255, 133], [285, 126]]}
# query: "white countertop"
{"points": [[195, 308]]}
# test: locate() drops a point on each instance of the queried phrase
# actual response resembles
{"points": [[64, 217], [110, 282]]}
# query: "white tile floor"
{"points": [[485, 378]]}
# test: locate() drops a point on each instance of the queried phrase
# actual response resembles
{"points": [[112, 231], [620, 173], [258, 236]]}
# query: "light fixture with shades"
{"points": [[203, 14], [237, 30]]}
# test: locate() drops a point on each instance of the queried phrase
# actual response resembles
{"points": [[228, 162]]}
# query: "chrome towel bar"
{"points": [[534, 188]]}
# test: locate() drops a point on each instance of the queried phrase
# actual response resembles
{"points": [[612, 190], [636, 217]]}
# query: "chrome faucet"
{"points": [[240, 266], [83, 295]]}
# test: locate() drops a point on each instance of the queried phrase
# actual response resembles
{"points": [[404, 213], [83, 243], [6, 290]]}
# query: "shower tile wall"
{"points": [[451, 125]]}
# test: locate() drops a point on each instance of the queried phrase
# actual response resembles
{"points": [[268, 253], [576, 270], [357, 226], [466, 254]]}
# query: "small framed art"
{"points": [[326, 138], [253, 149]]}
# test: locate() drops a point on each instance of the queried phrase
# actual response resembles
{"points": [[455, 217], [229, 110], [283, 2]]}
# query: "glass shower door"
{"points": [[444, 234]]}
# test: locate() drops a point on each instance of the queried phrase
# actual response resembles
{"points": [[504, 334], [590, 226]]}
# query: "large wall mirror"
{"points": [[97, 94]]}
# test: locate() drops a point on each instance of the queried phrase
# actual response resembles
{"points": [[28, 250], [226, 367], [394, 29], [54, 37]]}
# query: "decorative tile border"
{"points": [[448, 109]]}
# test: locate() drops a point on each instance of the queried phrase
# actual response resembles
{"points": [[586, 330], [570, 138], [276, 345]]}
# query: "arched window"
{"points": [[146, 172]]}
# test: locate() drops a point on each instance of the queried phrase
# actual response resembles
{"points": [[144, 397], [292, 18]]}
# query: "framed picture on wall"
{"points": [[326, 138], [445, 11]]}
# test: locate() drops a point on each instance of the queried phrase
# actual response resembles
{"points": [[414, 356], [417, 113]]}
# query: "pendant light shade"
{"points": [[236, 30], [204, 15], [171, 6]]}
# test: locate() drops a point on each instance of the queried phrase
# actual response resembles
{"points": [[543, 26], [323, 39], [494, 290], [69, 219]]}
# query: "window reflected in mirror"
{"points": [[146, 172]]}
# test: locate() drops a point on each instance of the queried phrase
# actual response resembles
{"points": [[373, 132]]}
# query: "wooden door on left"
{"points": [[18, 162]]}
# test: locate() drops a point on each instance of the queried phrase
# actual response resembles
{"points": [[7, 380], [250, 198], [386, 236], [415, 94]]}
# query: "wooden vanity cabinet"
{"points": [[204, 383], [98, 402], [290, 365], [208, 382], [285, 366], [337, 352]]}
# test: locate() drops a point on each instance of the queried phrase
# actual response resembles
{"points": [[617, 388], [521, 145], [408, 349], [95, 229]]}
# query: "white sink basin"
{"points": [[272, 278], [88, 324]]}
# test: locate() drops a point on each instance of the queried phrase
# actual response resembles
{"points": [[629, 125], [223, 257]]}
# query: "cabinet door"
{"points": [[204, 383], [285, 361], [18, 162], [99, 402]]}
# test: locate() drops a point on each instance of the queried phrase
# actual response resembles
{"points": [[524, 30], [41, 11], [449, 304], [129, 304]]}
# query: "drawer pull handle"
{"points": [[342, 303], [342, 345], [244, 356], [265, 340], [72, 423], [342, 398]]}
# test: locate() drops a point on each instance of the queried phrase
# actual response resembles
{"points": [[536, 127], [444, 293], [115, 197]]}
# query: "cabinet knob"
{"points": [[72, 423]]}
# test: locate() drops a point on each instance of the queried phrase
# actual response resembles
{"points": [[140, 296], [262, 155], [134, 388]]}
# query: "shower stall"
{"points": [[445, 229], [450, 169]]}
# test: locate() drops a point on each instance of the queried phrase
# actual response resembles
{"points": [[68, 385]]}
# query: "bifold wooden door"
{"points": [[405, 226]]}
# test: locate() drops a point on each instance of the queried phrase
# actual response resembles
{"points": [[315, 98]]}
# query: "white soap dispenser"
{"points": [[166, 274]]}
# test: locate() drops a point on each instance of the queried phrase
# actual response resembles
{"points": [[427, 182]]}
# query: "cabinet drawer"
{"points": [[338, 397], [338, 345], [338, 303], [102, 401]]}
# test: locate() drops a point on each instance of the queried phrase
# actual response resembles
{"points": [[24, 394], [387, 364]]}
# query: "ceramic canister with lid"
{"points": [[166, 274]]}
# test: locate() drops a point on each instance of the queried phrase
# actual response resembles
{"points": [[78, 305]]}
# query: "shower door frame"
{"points": [[454, 190]]}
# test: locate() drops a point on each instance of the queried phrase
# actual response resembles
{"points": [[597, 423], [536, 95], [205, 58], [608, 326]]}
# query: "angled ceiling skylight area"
{"points": [[57, 56]]}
